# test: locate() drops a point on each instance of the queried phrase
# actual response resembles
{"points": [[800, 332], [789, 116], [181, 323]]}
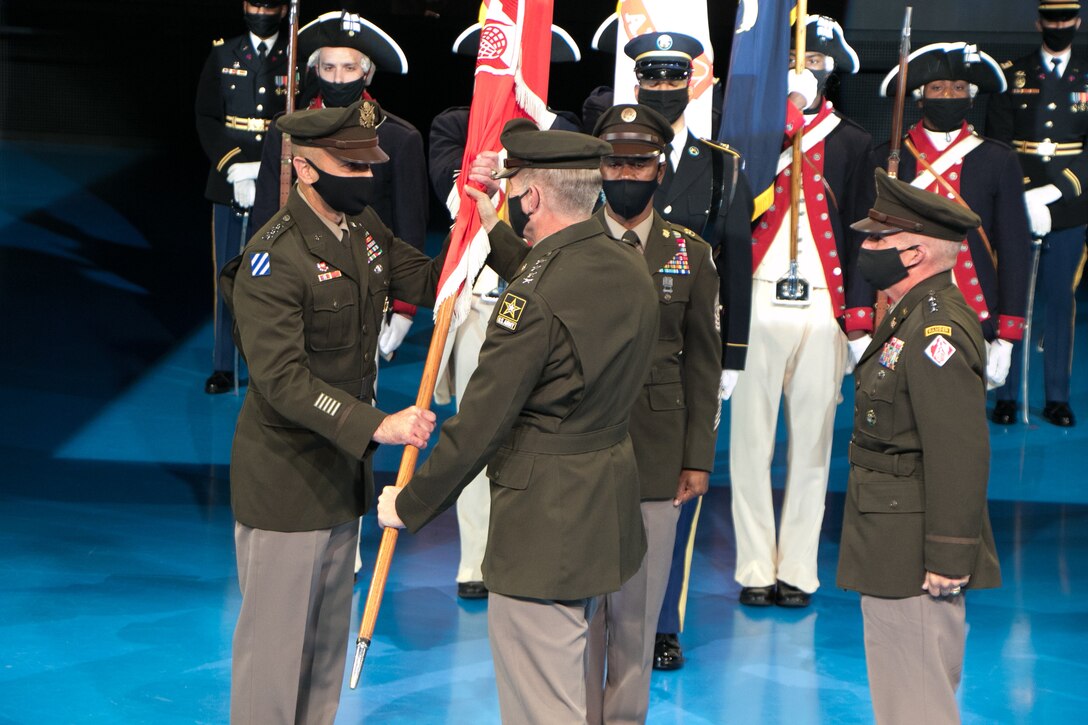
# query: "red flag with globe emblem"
{"points": [[512, 67]]}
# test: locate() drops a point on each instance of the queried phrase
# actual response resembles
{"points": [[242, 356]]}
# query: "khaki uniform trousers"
{"points": [[914, 655], [290, 643], [798, 353], [474, 503], [539, 651], [622, 632]]}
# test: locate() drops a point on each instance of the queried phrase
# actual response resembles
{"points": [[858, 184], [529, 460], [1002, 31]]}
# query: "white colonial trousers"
{"points": [[796, 352]]}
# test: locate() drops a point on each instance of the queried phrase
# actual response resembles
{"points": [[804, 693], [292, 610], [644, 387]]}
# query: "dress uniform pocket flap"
{"points": [[333, 296], [511, 469], [891, 497], [667, 396]]}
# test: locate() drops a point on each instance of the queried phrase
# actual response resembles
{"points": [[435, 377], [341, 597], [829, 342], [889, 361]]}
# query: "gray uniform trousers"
{"points": [[623, 629], [914, 655], [297, 585]]}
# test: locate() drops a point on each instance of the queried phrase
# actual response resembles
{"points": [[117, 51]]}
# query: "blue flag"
{"points": [[754, 112]]}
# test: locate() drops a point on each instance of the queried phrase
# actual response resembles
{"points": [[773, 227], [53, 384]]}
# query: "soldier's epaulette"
{"points": [[518, 295], [274, 228], [721, 147], [679, 231], [216, 43], [1006, 65], [529, 276]]}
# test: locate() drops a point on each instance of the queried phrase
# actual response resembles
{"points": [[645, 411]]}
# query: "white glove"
{"points": [[392, 334], [803, 84], [1036, 201], [856, 350], [728, 382], [245, 191], [243, 170], [998, 360]]}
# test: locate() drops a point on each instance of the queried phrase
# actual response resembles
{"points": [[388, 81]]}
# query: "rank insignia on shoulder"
{"points": [[940, 351], [889, 354], [373, 251], [509, 313], [938, 330], [217, 42], [260, 265]]}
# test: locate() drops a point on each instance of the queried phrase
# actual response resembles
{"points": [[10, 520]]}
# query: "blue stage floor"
{"points": [[118, 593]]}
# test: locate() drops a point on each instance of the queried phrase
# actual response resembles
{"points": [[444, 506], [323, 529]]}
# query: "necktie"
{"points": [[629, 237], [1054, 63], [262, 51]]}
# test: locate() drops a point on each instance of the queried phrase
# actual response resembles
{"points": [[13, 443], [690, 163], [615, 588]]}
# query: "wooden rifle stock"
{"points": [[289, 106]]}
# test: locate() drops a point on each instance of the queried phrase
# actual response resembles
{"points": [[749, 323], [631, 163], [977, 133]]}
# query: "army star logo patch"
{"points": [[940, 351], [510, 310], [889, 354], [259, 264]]}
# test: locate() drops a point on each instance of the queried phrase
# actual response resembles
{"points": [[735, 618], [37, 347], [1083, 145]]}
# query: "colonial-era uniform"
{"points": [[673, 427], [798, 351], [236, 97], [547, 412], [916, 498], [308, 302], [1044, 115]]}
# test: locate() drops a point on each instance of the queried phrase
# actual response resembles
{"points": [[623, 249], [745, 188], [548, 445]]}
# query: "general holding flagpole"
{"points": [[512, 66]]}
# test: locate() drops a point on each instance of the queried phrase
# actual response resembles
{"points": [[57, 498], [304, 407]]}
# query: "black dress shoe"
{"points": [[667, 652], [471, 590], [1004, 412], [757, 596], [790, 596], [1059, 414], [220, 381]]}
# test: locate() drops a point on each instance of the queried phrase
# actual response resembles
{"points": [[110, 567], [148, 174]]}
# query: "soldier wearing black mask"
{"points": [[945, 155], [1044, 115], [704, 190], [241, 88]]}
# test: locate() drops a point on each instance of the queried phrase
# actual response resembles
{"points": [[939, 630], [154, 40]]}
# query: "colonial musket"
{"points": [[792, 289], [896, 142], [292, 83]]}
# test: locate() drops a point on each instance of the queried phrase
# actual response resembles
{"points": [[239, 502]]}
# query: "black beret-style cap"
{"points": [[823, 34], [1058, 9], [529, 147], [663, 56], [948, 62], [900, 207], [341, 29], [348, 133], [634, 130]]}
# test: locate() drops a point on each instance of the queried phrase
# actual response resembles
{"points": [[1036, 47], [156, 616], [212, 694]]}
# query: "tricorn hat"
{"points": [[824, 35], [341, 29], [948, 62]]}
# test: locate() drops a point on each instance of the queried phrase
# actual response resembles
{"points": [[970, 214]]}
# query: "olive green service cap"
{"points": [[527, 147], [900, 207], [349, 133], [634, 130]]}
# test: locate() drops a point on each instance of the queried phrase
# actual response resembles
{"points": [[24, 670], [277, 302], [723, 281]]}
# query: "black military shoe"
{"points": [[667, 652], [1060, 414], [220, 381], [471, 590], [790, 596], [1004, 412], [757, 596]]}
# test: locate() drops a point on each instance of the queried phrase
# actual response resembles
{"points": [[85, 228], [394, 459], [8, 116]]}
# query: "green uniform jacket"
{"points": [[567, 350], [307, 312], [674, 424], [920, 453]]}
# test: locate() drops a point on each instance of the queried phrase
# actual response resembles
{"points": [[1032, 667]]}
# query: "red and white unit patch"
{"points": [[940, 351]]}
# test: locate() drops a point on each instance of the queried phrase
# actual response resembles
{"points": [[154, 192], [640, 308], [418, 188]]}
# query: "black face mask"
{"points": [[882, 267], [347, 194], [263, 25], [1058, 39], [945, 114], [670, 104], [821, 82], [629, 197], [518, 218], [340, 95]]}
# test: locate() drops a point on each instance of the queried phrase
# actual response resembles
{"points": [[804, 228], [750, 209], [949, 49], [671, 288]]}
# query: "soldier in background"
{"points": [[799, 349], [943, 154], [1044, 115], [243, 85]]}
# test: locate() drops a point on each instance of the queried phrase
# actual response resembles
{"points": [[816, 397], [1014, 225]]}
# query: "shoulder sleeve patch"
{"points": [[939, 330], [940, 351], [260, 264], [509, 312]]}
